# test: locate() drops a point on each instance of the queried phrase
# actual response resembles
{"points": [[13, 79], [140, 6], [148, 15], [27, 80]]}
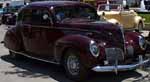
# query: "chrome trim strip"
{"points": [[21, 53], [119, 67], [123, 35]]}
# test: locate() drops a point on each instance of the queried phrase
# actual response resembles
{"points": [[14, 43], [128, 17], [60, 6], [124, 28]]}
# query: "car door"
{"points": [[37, 43], [127, 19], [24, 24], [43, 35]]}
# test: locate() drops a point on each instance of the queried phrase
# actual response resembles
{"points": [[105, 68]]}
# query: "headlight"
{"points": [[94, 49], [141, 41]]}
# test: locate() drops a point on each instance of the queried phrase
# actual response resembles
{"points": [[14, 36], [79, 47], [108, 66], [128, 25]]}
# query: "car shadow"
{"points": [[34, 68]]}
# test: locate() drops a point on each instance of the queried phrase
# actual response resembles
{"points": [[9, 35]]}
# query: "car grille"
{"points": [[113, 54], [130, 51]]}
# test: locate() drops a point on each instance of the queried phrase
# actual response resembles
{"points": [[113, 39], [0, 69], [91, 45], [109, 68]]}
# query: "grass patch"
{"points": [[146, 16]]}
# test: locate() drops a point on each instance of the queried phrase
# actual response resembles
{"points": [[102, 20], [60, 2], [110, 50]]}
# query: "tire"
{"points": [[140, 26], [74, 68], [14, 55]]}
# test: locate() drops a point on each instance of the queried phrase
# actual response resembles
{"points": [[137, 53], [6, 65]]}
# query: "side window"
{"points": [[40, 17], [36, 17], [46, 17], [24, 16], [60, 14], [19, 17]]}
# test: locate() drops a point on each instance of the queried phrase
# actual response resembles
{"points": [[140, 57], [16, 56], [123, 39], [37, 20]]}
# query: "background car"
{"points": [[9, 15], [3, 4], [118, 14], [58, 32]]}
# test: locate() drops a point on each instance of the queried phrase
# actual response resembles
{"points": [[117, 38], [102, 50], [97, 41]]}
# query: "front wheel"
{"points": [[73, 66]]}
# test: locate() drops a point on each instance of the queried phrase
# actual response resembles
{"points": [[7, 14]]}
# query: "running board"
{"points": [[31, 57]]}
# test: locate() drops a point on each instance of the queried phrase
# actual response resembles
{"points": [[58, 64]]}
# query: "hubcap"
{"points": [[73, 65]]}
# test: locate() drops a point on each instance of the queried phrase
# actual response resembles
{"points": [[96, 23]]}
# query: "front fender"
{"points": [[79, 42], [132, 39]]}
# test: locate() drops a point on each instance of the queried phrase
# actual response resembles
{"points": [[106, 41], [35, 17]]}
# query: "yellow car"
{"points": [[118, 14]]}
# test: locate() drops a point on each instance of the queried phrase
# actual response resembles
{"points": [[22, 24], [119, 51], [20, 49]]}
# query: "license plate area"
{"points": [[114, 54]]}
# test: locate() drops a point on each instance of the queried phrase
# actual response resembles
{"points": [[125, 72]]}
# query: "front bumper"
{"points": [[116, 68]]}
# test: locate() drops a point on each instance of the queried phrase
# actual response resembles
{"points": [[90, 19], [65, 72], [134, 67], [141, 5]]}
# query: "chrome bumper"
{"points": [[120, 67]]}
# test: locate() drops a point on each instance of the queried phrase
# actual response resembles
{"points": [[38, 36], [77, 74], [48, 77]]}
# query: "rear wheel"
{"points": [[73, 66]]}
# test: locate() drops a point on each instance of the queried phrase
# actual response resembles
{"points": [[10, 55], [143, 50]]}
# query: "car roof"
{"points": [[54, 3]]}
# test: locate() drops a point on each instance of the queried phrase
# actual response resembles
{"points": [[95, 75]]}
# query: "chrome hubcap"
{"points": [[73, 65]]}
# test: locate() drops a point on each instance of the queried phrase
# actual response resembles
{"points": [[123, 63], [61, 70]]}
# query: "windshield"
{"points": [[71, 12], [110, 7]]}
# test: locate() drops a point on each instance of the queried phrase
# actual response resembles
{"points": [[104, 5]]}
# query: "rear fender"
{"points": [[138, 20], [11, 40]]}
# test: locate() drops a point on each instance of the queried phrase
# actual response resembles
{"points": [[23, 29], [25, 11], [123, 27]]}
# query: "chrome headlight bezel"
{"points": [[141, 41], [94, 49]]}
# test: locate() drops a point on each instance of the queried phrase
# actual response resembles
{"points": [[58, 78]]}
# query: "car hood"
{"points": [[89, 25], [101, 30]]}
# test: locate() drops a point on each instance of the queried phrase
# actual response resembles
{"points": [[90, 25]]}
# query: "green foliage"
{"points": [[146, 16]]}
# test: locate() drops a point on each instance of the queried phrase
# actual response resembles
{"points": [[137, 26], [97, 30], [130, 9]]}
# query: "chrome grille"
{"points": [[130, 51], [113, 54]]}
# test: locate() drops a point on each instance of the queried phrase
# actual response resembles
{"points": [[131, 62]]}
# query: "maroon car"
{"points": [[70, 34]]}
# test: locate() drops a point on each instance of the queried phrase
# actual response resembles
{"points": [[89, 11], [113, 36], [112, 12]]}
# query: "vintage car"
{"points": [[9, 15], [70, 34], [118, 14]]}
